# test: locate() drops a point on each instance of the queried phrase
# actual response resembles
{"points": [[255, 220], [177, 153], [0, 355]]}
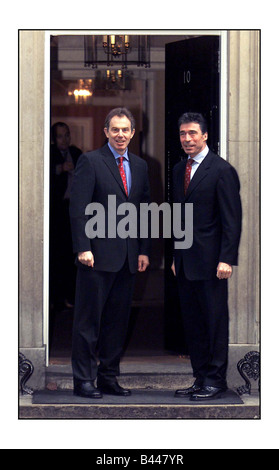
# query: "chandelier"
{"points": [[113, 80], [116, 45], [81, 91], [120, 50]]}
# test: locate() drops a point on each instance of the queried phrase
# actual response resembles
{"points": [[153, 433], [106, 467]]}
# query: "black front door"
{"points": [[192, 84]]}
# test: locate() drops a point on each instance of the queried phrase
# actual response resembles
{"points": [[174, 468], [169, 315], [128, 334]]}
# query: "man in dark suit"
{"points": [[211, 184], [107, 263], [63, 159]]}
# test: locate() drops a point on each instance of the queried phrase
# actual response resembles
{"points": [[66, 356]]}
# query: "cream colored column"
{"points": [[31, 166], [243, 154]]}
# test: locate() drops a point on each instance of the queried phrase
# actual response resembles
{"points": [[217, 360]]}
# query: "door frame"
{"points": [[223, 135]]}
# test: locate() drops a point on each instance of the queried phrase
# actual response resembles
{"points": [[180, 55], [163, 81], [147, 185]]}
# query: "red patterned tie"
{"points": [[188, 174], [122, 173]]}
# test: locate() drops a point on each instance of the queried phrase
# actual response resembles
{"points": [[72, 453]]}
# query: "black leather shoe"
{"points": [[208, 393], [86, 389], [185, 392], [113, 388]]}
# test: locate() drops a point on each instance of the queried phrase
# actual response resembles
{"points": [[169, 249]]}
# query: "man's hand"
{"points": [[143, 262], [173, 268], [224, 271], [67, 166], [86, 257]]}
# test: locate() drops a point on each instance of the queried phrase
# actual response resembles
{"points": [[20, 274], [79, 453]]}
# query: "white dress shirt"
{"points": [[197, 160]]}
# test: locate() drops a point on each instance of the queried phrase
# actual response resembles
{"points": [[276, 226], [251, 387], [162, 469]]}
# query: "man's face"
{"points": [[192, 139], [63, 138], [119, 133]]}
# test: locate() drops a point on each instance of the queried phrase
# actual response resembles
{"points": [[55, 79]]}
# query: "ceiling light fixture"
{"points": [[121, 50]]}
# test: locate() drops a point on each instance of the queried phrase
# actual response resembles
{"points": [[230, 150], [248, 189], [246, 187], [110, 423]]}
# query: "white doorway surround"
{"points": [[47, 124]]}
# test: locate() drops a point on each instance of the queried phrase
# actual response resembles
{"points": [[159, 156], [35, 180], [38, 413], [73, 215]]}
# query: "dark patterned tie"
{"points": [[122, 173], [188, 174]]}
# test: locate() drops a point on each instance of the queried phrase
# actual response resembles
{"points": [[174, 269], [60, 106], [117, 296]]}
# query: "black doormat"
{"points": [[138, 397]]}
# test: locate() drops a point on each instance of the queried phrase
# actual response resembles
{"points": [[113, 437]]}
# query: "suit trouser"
{"points": [[204, 308], [102, 310]]}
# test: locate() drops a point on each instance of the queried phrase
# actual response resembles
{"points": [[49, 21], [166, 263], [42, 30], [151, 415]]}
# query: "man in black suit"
{"points": [[108, 262], [63, 159], [211, 184]]}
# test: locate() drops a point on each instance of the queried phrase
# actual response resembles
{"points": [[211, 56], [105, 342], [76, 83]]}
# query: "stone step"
{"points": [[171, 381], [136, 373], [147, 375], [141, 375], [249, 409]]}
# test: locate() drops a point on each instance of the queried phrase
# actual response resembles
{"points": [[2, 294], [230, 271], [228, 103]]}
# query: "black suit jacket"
{"points": [[58, 183], [96, 177], [214, 193]]}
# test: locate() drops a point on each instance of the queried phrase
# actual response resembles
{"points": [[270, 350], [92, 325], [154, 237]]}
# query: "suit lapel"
{"points": [[199, 175], [109, 160]]}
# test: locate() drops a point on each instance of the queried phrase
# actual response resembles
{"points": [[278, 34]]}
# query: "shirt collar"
{"points": [[199, 158], [116, 155]]}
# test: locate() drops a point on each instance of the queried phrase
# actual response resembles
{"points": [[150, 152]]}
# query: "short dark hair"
{"points": [[193, 117], [120, 112], [54, 129]]}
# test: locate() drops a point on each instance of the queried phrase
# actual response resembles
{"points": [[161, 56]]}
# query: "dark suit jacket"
{"points": [[214, 193], [96, 177], [58, 183]]}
